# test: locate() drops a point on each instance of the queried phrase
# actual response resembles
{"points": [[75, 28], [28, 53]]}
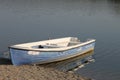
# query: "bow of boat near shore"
{"points": [[47, 51]]}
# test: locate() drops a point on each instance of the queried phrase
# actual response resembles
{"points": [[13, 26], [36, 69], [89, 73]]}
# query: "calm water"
{"points": [[33, 20]]}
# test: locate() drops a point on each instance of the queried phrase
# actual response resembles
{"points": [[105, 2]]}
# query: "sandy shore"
{"points": [[30, 72]]}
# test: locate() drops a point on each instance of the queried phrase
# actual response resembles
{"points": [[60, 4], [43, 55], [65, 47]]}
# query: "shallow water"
{"points": [[32, 20]]}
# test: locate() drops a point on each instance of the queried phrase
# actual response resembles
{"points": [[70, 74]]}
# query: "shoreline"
{"points": [[30, 72]]}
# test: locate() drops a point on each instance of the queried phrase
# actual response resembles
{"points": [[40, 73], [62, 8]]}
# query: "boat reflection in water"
{"points": [[73, 64]]}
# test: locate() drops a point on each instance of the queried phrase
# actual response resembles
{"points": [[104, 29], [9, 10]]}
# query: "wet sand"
{"points": [[37, 72]]}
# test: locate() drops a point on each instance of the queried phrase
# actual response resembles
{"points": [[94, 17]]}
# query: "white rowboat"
{"points": [[49, 50]]}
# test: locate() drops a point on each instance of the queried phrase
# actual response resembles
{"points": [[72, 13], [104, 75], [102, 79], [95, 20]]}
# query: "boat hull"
{"points": [[21, 57]]}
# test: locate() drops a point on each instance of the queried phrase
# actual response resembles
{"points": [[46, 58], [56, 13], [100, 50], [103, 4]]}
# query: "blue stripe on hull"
{"points": [[20, 57]]}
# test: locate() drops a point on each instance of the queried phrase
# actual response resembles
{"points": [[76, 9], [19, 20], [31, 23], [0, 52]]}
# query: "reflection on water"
{"points": [[115, 6], [115, 1], [72, 64], [5, 55]]}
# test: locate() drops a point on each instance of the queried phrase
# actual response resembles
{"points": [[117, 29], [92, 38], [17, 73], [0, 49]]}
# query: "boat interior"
{"points": [[52, 43], [57, 43]]}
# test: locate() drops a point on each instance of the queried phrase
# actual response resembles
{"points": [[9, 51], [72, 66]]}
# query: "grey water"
{"points": [[32, 20]]}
